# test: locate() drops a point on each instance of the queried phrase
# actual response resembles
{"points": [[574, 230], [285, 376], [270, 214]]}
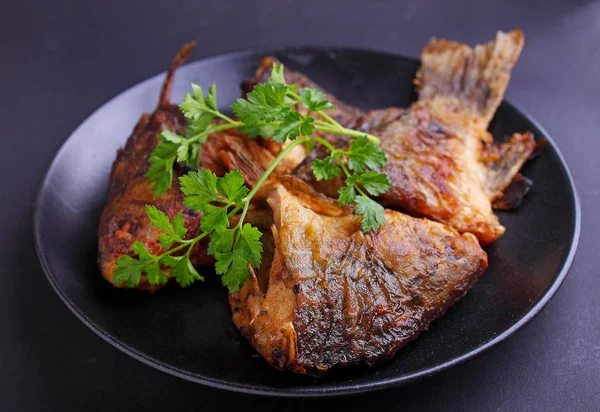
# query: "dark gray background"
{"points": [[60, 60]]}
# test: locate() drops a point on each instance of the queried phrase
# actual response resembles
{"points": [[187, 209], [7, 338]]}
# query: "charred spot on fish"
{"points": [[278, 354], [128, 223], [191, 213], [296, 289], [515, 192], [539, 146], [185, 168], [415, 281], [450, 253], [416, 300], [435, 130]]}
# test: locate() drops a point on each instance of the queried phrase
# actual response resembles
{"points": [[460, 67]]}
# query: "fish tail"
{"points": [[180, 58], [468, 81]]}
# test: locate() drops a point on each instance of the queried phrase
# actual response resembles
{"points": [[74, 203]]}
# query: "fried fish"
{"points": [[124, 220], [334, 296], [442, 163]]}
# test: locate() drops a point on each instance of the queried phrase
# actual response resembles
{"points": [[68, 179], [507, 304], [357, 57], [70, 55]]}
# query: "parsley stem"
{"points": [[328, 118], [340, 130], [234, 211], [186, 243], [332, 126], [215, 129], [222, 116], [348, 174], [243, 216]]}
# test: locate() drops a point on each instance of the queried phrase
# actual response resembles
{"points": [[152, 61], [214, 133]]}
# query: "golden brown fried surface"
{"points": [[124, 220], [441, 168], [442, 163], [336, 296]]}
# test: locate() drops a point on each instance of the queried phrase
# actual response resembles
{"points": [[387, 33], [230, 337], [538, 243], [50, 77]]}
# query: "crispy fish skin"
{"points": [[339, 297], [124, 220], [440, 168], [468, 81], [442, 163]]}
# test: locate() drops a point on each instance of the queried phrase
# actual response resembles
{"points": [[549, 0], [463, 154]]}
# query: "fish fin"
{"points": [[504, 160], [513, 195], [247, 156], [180, 58], [468, 81]]}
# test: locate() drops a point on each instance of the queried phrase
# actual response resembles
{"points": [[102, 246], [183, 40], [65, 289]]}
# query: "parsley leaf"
{"points": [[373, 182], [277, 76], [231, 186], [184, 272], [373, 214], [196, 105], [248, 243], [178, 224], [293, 125], [233, 265], [162, 158], [200, 112], [174, 232], [313, 100], [169, 136], [158, 219], [214, 217], [266, 103], [211, 98], [144, 256], [155, 275], [189, 149], [325, 168], [365, 154], [221, 241], [234, 270], [199, 189], [347, 195], [128, 271]]}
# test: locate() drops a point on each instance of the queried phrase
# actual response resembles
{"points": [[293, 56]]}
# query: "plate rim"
{"points": [[312, 391]]}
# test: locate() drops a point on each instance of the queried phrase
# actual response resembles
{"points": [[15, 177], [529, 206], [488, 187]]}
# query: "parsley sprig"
{"points": [[268, 111], [130, 269]]}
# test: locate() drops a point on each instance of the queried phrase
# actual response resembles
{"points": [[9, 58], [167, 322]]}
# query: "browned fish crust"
{"points": [[442, 163], [337, 296], [124, 220]]}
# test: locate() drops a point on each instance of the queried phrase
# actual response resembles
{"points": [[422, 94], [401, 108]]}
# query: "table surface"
{"points": [[61, 63]]}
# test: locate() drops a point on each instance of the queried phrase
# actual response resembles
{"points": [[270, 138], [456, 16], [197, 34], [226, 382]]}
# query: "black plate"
{"points": [[188, 332]]}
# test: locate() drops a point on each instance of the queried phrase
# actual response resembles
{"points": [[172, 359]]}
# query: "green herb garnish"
{"points": [[268, 111]]}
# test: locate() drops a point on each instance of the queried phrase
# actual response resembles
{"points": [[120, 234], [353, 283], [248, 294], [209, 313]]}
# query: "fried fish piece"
{"points": [[329, 295], [124, 220], [334, 296], [442, 163]]}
